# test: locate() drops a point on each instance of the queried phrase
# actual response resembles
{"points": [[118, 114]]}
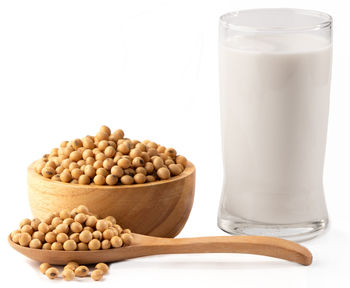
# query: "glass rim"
{"points": [[326, 21]]}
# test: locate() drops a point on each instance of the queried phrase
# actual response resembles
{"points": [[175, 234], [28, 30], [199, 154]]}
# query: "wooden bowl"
{"points": [[158, 209]]}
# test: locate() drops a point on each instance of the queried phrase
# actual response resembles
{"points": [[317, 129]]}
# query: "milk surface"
{"points": [[274, 109]]}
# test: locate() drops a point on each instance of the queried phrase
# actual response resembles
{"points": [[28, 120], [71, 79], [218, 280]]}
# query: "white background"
{"points": [[150, 68]]}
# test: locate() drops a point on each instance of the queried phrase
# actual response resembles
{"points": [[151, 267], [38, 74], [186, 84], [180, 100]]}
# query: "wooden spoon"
{"points": [[146, 246]]}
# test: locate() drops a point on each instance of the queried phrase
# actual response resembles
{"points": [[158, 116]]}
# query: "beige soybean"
{"points": [[39, 235], [18, 231], [35, 223], [68, 221], [51, 163], [80, 217], [28, 229], [52, 273], [81, 163], [56, 221], [68, 274], [74, 237], [43, 267], [102, 145], [56, 246], [140, 178], [72, 166], [64, 213], [35, 244], [108, 234], [98, 164], [15, 235], [127, 180], [117, 171], [138, 162], [169, 162], [105, 244], [70, 245], [91, 221], [82, 247], [94, 244], [48, 172], [111, 179], [71, 265], [24, 239], [46, 246], [108, 163], [81, 271], [158, 162], [43, 227], [175, 169], [89, 229], [103, 267], [97, 235], [163, 173], [76, 227], [66, 176], [110, 151], [101, 225], [170, 152], [85, 236], [50, 237], [181, 160], [39, 166], [116, 242], [62, 228], [76, 173], [59, 170], [97, 275], [84, 180], [111, 219], [82, 209], [75, 156], [102, 171], [90, 171], [87, 153], [56, 178], [126, 238], [149, 167], [124, 163], [62, 237], [150, 178], [141, 170], [100, 157], [99, 180]]}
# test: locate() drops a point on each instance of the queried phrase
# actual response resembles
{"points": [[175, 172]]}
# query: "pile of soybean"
{"points": [[73, 269], [72, 230], [110, 158]]}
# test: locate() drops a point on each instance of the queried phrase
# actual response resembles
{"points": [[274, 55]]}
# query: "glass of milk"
{"points": [[275, 72]]}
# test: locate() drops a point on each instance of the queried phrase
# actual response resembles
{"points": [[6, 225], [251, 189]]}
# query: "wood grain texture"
{"points": [[146, 246], [159, 208]]}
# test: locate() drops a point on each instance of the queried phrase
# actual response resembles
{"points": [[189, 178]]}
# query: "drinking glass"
{"points": [[275, 71]]}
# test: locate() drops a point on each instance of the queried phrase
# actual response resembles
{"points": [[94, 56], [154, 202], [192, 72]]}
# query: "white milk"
{"points": [[274, 109]]}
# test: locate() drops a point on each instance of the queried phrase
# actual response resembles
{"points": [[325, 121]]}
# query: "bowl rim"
{"points": [[189, 170]]}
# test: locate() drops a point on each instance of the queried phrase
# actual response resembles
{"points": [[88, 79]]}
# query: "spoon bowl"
{"points": [[146, 245]]}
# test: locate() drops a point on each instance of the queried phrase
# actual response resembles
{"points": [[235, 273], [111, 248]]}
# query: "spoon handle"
{"points": [[259, 245]]}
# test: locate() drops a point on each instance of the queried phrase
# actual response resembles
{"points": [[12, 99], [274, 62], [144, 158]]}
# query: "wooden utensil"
{"points": [[158, 208], [146, 246]]}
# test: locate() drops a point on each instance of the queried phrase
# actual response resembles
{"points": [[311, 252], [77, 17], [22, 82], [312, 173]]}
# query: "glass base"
{"points": [[295, 232]]}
